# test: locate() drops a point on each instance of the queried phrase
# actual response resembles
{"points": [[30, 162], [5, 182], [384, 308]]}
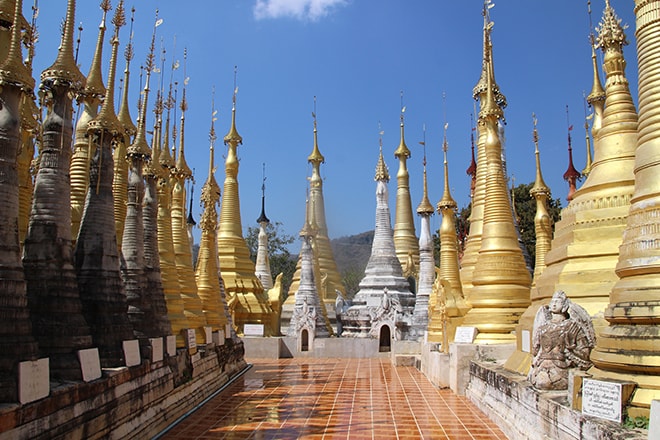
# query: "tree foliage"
{"points": [[281, 260]]}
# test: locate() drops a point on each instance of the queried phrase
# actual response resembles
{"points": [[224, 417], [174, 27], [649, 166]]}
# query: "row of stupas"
{"points": [[118, 264]]}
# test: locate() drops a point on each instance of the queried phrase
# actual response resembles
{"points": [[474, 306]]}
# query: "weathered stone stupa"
{"points": [[16, 340], [426, 274], [120, 180], [56, 311], [383, 307], [96, 254], [307, 320]]}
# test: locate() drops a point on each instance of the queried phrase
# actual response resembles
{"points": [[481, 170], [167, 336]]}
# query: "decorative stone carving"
{"points": [[563, 339]]}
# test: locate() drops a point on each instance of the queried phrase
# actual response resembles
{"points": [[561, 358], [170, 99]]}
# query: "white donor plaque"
{"points": [[191, 340], [253, 329], [227, 331], [207, 335], [601, 399], [171, 345], [90, 364], [465, 335], [219, 337], [131, 352], [526, 340], [156, 349], [33, 380]]}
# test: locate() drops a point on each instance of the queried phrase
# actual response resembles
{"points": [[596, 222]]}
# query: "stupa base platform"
{"points": [[401, 352], [523, 412], [127, 402]]}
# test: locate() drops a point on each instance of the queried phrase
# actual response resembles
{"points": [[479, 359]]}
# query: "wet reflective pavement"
{"points": [[334, 399]]}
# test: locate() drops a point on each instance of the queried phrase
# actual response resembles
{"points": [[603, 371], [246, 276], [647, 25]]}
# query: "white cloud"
{"points": [[298, 9]]}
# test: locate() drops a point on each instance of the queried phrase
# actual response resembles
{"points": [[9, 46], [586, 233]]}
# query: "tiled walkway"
{"points": [[335, 399]]}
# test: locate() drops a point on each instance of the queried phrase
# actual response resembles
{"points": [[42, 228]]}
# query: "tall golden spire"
{"points": [[447, 304], [91, 100], [473, 243], [542, 222], [500, 290], [192, 304], [245, 294], [382, 173], [628, 346], [120, 181], [405, 240], [207, 273], [321, 249]]}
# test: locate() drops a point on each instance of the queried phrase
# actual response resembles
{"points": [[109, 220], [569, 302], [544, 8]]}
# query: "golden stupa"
{"points": [[473, 243], [168, 271], [405, 240], [92, 96], [500, 288], [447, 304], [207, 272], [192, 304], [246, 298], [327, 277], [629, 347], [586, 242]]}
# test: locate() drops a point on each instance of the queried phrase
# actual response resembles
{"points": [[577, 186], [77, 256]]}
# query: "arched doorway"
{"points": [[304, 340], [385, 339]]}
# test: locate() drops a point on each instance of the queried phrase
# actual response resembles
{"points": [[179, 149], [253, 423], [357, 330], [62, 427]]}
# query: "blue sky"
{"points": [[356, 56]]}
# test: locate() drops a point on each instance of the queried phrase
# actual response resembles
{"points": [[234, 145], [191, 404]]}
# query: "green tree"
{"points": [[525, 212], [280, 258]]}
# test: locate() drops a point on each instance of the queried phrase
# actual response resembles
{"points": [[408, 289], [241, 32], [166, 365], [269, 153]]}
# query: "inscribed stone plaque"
{"points": [[526, 339], [219, 337], [601, 399], [195, 357], [171, 345], [156, 349], [33, 380], [90, 365], [227, 331], [253, 329], [131, 352], [465, 335], [191, 340], [654, 420], [208, 338]]}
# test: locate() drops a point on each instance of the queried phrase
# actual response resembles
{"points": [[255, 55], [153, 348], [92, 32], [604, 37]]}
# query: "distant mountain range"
{"points": [[352, 252]]}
